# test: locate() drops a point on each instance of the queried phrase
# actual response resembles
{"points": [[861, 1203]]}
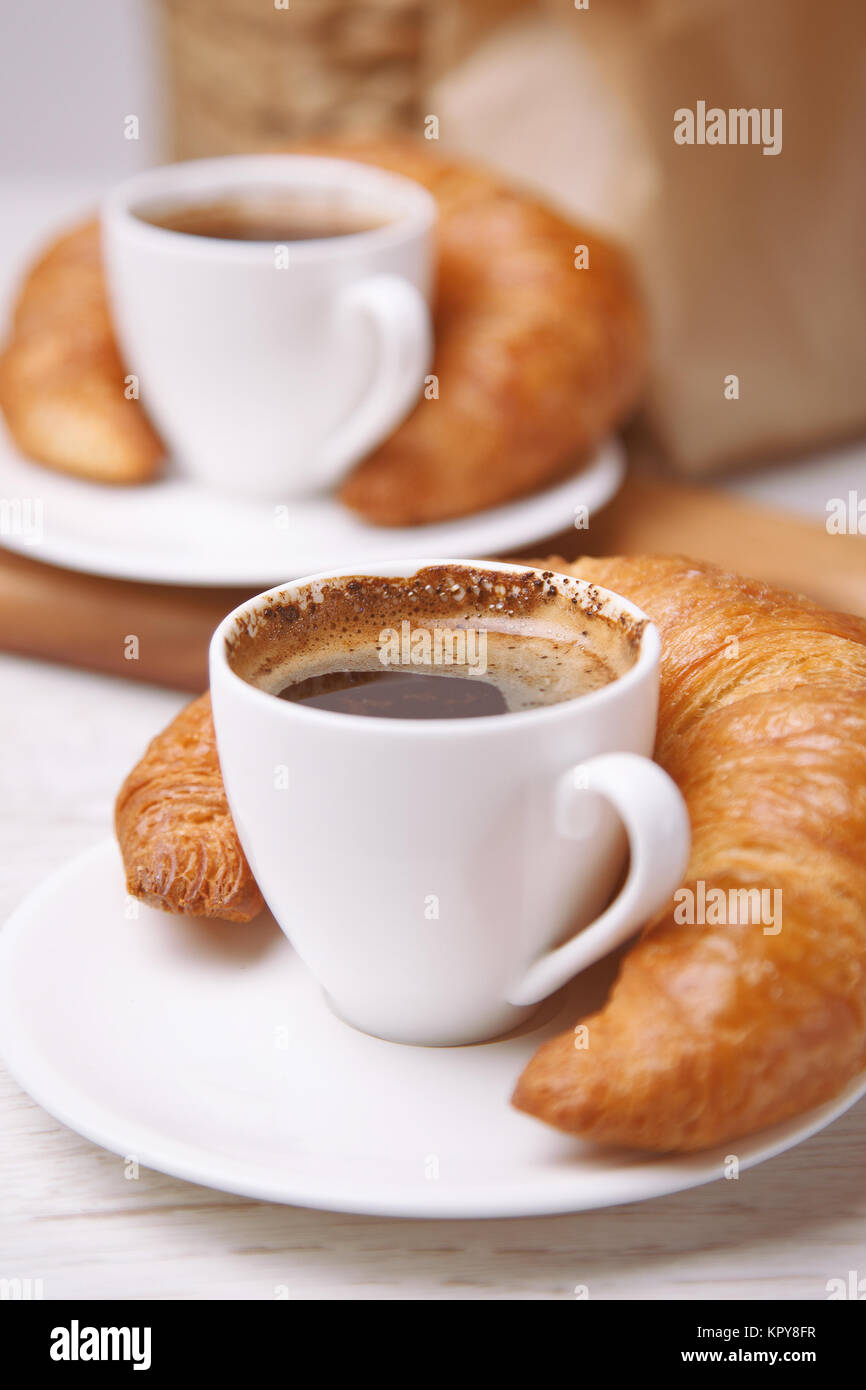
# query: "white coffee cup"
{"points": [[515, 826], [270, 369]]}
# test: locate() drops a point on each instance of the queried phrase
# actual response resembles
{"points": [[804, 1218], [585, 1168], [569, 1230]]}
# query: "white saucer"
{"points": [[173, 532], [206, 1051]]}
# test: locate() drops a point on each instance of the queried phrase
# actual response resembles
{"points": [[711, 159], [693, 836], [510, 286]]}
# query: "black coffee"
{"points": [[448, 642], [399, 694], [270, 217], [423, 672]]}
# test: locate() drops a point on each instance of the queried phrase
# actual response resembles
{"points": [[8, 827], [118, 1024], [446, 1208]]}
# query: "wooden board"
{"points": [[83, 620]]}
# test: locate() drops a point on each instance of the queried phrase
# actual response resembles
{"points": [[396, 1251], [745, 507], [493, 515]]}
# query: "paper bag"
{"points": [[753, 263]]}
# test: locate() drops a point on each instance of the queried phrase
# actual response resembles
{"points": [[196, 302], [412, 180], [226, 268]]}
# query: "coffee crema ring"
{"points": [[307, 632]]}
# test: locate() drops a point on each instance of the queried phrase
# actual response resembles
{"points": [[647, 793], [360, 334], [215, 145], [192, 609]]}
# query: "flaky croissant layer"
{"points": [[64, 391], [179, 844], [717, 1028]]}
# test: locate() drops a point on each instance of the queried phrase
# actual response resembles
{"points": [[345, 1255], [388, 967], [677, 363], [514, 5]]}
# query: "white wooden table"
{"points": [[69, 1217]]}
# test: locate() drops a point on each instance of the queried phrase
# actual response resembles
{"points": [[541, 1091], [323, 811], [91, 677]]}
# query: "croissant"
{"points": [[711, 1030], [62, 384], [178, 842], [715, 1030], [535, 362]]}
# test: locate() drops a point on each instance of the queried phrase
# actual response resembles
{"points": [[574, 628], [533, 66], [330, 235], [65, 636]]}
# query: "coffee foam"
{"points": [[571, 639], [264, 214]]}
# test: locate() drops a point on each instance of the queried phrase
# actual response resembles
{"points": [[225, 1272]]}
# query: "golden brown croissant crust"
{"points": [[62, 384], [713, 1031], [536, 360], [710, 1032], [177, 838]]}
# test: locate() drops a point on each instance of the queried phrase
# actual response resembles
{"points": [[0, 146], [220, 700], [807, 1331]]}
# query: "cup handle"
{"points": [[404, 335], [657, 823]]}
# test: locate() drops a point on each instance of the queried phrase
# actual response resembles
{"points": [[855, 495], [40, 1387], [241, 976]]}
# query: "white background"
{"points": [[71, 71]]}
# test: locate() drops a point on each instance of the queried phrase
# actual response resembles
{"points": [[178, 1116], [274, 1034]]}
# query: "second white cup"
{"points": [[269, 368]]}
